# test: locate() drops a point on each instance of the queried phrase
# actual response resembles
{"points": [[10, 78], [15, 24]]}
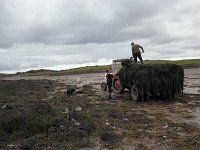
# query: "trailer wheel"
{"points": [[103, 86], [134, 93], [117, 86]]}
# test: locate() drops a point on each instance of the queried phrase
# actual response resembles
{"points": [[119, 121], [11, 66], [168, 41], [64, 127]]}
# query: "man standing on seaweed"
{"points": [[109, 77], [136, 52]]}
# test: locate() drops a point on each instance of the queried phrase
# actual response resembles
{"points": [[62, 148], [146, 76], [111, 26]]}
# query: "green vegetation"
{"points": [[87, 69], [90, 68], [178, 62]]}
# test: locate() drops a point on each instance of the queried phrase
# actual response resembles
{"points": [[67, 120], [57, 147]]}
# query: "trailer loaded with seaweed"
{"points": [[157, 80]]}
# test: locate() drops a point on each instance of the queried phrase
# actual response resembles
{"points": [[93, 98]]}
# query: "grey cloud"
{"points": [[78, 23], [90, 30]]}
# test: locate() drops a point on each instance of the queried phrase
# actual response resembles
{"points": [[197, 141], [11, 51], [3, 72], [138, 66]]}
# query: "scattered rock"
{"points": [[4, 106], [179, 104], [62, 128], [76, 122], [107, 123], [52, 131], [125, 119], [165, 127], [12, 146], [78, 108], [66, 110], [164, 136]]}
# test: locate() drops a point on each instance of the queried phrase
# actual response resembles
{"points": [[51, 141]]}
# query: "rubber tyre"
{"points": [[117, 86], [134, 93], [103, 86]]}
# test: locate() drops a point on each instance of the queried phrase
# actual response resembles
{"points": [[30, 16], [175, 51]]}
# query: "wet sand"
{"points": [[191, 79]]}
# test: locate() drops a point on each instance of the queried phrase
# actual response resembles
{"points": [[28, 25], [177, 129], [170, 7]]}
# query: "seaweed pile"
{"points": [[164, 80]]}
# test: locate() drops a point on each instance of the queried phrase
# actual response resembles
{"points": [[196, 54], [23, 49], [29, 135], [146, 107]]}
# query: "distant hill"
{"points": [[179, 62], [186, 63]]}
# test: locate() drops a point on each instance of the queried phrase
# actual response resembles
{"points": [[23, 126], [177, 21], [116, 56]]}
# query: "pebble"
{"points": [[78, 108]]}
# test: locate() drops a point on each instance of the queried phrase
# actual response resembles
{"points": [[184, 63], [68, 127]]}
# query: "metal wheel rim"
{"points": [[117, 85]]}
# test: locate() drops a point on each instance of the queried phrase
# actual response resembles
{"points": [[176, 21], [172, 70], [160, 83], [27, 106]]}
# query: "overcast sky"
{"points": [[58, 34]]}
